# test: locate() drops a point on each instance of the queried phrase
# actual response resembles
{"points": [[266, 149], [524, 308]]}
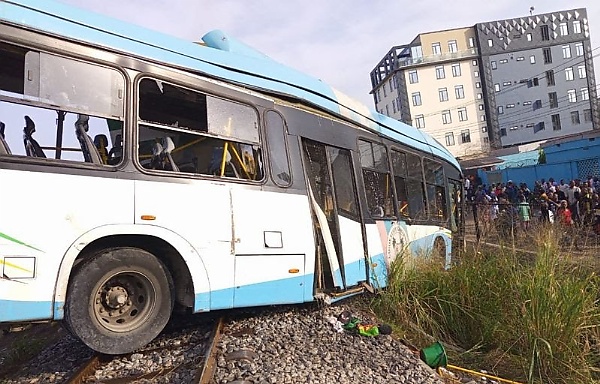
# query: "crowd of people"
{"points": [[511, 207]]}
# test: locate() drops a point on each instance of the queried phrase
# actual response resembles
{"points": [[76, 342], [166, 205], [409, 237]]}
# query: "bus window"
{"points": [[178, 129], [73, 114], [436, 193], [399, 169], [377, 179], [416, 193], [277, 144], [345, 188]]}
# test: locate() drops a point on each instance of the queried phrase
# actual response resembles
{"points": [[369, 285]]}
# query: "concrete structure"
{"points": [[499, 84]]}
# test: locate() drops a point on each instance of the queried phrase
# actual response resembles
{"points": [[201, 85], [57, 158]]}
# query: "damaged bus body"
{"points": [[152, 172]]}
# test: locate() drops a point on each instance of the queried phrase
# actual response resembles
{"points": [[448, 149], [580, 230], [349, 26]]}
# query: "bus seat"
{"points": [[116, 152], [161, 156], [101, 144], [90, 153], [4, 149], [32, 147], [169, 147]]}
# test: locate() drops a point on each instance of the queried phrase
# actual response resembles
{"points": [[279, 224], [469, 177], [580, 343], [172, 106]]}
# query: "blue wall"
{"points": [[567, 160]]}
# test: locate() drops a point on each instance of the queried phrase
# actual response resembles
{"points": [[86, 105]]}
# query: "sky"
{"points": [[339, 42]]}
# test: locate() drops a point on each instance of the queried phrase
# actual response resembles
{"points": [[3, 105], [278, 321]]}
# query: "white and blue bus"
{"points": [[140, 172]]}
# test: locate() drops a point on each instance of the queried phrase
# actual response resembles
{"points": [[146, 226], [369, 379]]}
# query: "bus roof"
{"points": [[222, 57]]}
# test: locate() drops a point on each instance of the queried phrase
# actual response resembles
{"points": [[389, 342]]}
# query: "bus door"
{"points": [[340, 261]]}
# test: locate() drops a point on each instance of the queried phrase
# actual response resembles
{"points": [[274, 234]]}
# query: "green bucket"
{"points": [[434, 355]]}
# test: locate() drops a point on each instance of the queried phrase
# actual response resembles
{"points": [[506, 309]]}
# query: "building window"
{"points": [[436, 48], [480, 107], [456, 70], [482, 117], [556, 122], [494, 64], [569, 74], [575, 118], [462, 114], [394, 106], [452, 46], [449, 139], [514, 127], [465, 136], [475, 73], [520, 58], [529, 37], [547, 55], [490, 43], [578, 49], [439, 72], [550, 78], [566, 50], [387, 110], [539, 127], [477, 84], [391, 84], [484, 129], [479, 96], [416, 98], [585, 94], [572, 95], [533, 82], [581, 72], [564, 30], [459, 91], [576, 26], [537, 104], [443, 93], [503, 61], [471, 42], [497, 87], [474, 62], [532, 59], [545, 32], [500, 109], [587, 115], [384, 90], [420, 121], [446, 117], [507, 83], [413, 77], [503, 130], [526, 103], [508, 106], [553, 100]]}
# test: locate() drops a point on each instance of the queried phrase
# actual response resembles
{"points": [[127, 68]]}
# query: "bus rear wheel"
{"points": [[119, 300]]}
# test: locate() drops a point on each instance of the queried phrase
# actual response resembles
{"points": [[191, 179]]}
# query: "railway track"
{"points": [[195, 360]]}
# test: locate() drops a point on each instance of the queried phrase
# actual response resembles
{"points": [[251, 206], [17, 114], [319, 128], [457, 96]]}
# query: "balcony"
{"points": [[408, 61]]}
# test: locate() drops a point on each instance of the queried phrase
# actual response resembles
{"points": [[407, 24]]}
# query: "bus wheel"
{"points": [[439, 252], [119, 300]]}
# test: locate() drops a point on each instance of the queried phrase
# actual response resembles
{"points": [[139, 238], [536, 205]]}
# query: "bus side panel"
{"points": [[353, 250], [42, 216], [200, 212], [377, 259], [274, 247]]}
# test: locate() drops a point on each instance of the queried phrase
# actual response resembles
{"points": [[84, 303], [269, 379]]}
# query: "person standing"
{"points": [[524, 210]]}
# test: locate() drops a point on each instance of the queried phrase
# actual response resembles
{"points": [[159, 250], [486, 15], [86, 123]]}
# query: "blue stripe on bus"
{"points": [[246, 68], [14, 310]]}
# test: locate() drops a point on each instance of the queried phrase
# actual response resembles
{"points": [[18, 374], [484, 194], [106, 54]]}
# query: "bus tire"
{"points": [[119, 300]]}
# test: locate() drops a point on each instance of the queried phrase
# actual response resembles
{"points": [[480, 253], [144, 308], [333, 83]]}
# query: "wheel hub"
{"points": [[116, 297]]}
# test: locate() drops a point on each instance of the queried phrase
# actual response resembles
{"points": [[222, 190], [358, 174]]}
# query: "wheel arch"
{"points": [[178, 255], [443, 238]]}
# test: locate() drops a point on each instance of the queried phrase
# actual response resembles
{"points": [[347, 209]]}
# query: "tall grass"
{"points": [[537, 315]]}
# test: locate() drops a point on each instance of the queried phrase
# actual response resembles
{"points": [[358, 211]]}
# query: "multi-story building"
{"points": [[494, 85]]}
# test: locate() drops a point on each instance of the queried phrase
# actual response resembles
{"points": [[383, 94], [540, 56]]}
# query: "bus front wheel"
{"points": [[119, 300]]}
